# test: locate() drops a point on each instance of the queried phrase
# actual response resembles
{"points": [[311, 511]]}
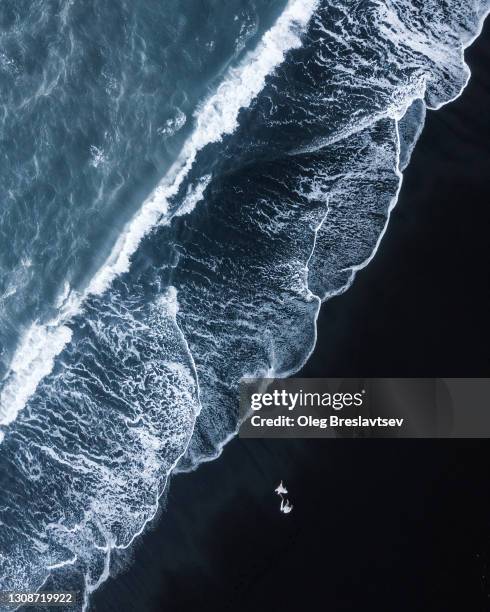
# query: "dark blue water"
{"points": [[182, 187]]}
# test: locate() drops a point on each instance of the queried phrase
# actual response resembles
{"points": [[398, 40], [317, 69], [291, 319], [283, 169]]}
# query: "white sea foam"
{"points": [[33, 359], [194, 195], [97, 156], [173, 125], [216, 117]]}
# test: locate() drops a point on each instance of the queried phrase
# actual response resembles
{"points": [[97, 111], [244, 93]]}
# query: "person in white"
{"points": [[286, 506]]}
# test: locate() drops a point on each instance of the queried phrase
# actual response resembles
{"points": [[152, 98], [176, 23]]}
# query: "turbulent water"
{"points": [[182, 185]]}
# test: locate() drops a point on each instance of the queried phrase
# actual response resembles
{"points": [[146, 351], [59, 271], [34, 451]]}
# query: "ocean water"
{"points": [[183, 184]]}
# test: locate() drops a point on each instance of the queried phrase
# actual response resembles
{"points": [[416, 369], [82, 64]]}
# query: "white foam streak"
{"points": [[33, 359], [216, 117], [195, 193]]}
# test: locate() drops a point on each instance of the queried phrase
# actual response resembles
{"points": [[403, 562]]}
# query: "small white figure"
{"points": [[281, 489]]}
